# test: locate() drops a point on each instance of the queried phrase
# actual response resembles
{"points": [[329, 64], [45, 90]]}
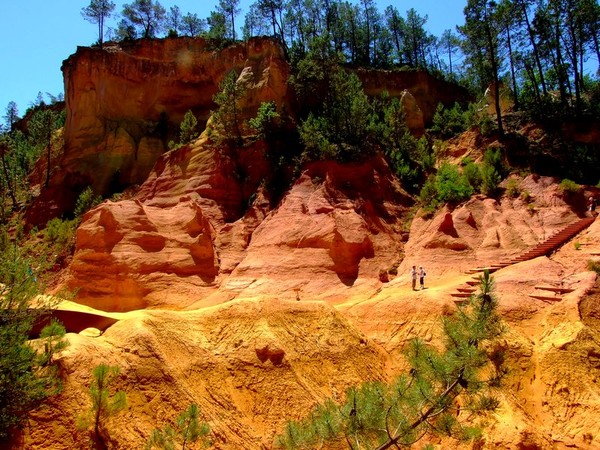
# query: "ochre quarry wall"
{"points": [[125, 102]]}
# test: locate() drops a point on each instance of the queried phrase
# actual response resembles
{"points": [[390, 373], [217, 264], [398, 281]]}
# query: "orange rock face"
{"points": [[125, 102], [191, 232], [427, 91]]}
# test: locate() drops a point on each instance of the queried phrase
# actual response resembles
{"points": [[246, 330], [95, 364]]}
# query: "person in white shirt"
{"points": [[422, 277]]}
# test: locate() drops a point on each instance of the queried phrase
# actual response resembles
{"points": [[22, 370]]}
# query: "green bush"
{"points": [[60, 232], [490, 179], [594, 266], [265, 121], [512, 188], [472, 173], [569, 186], [188, 129], [86, 201], [449, 121], [451, 185], [493, 157], [314, 136], [28, 375], [429, 193], [491, 171]]}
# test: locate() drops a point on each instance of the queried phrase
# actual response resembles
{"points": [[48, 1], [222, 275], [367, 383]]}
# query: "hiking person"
{"points": [[413, 274], [592, 205], [422, 277]]}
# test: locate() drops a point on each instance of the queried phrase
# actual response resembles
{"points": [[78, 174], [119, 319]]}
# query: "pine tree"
{"points": [[187, 430], [104, 405], [97, 12], [423, 402], [188, 128], [147, 15], [27, 373], [226, 119]]}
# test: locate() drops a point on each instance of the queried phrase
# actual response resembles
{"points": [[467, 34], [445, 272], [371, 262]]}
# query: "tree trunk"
{"points": [[48, 157], [512, 68], [9, 184], [536, 53]]}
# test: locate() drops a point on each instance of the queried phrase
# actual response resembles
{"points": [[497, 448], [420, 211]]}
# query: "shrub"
{"points": [[60, 232], [188, 128], [594, 266], [472, 173], [493, 157], [86, 201], [512, 188], [569, 187], [449, 121], [103, 403], [428, 195], [265, 121], [186, 430], [490, 179], [313, 135], [491, 171], [451, 185], [28, 375]]}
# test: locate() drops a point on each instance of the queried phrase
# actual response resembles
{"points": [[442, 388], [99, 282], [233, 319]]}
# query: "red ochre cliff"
{"points": [[255, 307]]}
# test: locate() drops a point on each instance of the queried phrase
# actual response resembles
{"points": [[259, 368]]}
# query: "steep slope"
{"points": [[247, 364]]}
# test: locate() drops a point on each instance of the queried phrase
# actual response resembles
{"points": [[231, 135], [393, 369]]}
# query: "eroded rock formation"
{"points": [[256, 307]]}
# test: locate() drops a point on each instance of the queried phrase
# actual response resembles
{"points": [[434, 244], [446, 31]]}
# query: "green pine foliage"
{"points": [[492, 171], [28, 376], [187, 430], [513, 189], [86, 201], [341, 130], [265, 122], [60, 233], [188, 128], [490, 179], [451, 185], [472, 173], [449, 122], [104, 404], [226, 122], [423, 402], [569, 186]]}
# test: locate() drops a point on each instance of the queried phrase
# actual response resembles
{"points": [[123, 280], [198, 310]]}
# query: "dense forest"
{"points": [[537, 48]]}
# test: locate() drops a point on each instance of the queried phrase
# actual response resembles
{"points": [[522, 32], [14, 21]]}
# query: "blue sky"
{"points": [[37, 35]]}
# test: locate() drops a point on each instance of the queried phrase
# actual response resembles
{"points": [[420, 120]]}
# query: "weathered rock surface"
{"points": [[191, 232], [252, 363], [255, 308], [427, 91], [484, 231], [243, 363]]}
